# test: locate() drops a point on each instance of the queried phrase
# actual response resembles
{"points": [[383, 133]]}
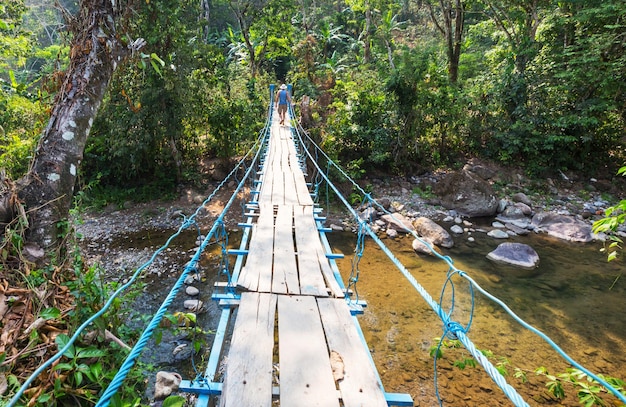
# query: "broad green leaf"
{"points": [[174, 401], [156, 67], [62, 340], [155, 57], [90, 353], [64, 366], [12, 77], [50, 313]]}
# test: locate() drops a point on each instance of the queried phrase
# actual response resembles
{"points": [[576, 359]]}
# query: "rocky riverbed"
{"points": [[122, 239]]}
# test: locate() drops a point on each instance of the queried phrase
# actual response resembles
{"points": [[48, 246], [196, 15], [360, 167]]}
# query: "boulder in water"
{"points": [[563, 227], [515, 254], [432, 232]]}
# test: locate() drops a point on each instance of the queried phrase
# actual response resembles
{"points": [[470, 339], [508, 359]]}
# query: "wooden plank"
{"points": [[266, 248], [360, 385], [291, 194], [305, 373], [278, 190], [285, 279], [256, 275], [304, 195], [248, 379], [311, 279]]}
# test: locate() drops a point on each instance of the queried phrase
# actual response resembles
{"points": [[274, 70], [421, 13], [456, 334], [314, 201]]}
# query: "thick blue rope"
{"points": [[454, 327], [154, 323], [466, 342], [186, 223]]}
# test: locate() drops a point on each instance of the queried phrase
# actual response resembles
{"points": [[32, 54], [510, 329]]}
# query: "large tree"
{"points": [[97, 50], [449, 20]]}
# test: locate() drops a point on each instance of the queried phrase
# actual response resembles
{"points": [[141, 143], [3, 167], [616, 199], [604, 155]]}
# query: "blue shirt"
{"points": [[282, 97]]}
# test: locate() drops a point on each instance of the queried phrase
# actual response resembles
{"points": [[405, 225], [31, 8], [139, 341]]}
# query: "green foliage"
{"points": [[360, 127], [614, 216], [589, 392]]}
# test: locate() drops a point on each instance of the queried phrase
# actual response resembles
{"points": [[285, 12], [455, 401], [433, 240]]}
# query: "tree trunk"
{"points": [[367, 53], [48, 187]]}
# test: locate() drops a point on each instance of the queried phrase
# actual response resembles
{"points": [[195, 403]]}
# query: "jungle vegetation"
{"points": [[398, 86], [402, 86]]}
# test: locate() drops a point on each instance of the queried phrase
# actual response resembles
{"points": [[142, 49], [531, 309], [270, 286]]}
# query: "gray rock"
{"points": [[467, 193], [516, 229], [398, 222], [192, 291], [513, 212], [521, 197], [193, 305], [391, 233], [502, 205], [498, 234], [166, 384], [526, 209], [420, 247], [515, 254], [456, 229], [480, 170], [385, 203], [432, 232], [563, 227]]}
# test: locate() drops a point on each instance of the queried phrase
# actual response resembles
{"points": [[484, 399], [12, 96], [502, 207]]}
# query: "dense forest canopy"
{"points": [[402, 86]]}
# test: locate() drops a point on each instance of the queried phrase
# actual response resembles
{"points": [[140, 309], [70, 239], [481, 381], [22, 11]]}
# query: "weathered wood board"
{"points": [[248, 379], [305, 373]]}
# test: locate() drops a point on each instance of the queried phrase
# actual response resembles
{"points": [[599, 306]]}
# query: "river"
{"points": [[574, 296]]}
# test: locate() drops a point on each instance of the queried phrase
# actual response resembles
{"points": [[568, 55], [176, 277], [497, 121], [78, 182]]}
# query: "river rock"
{"points": [[513, 212], [398, 222], [467, 193], [166, 384], [192, 291], [456, 229], [498, 234], [563, 227], [391, 233], [521, 197], [502, 205], [516, 229], [526, 209], [193, 305], [420, 247], [432, 232], [515, 254]]}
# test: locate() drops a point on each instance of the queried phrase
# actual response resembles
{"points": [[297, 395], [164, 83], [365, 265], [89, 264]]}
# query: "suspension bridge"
{"points": [[292, 322]]}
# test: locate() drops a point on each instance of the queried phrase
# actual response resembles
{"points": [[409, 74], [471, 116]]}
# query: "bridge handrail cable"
{"points": [[147, 333], [456, 329]]}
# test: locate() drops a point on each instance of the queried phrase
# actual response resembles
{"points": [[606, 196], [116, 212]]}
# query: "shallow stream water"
{"points": [[574, 296]]}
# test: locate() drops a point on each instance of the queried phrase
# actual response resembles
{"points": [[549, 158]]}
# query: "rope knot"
{"points": [[452, 327]]}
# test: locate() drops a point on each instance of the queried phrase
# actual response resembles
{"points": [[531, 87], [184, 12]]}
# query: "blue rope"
{"points": [[509, 391], [496, 376], [356, 259], [147, 334], [185, 224]]}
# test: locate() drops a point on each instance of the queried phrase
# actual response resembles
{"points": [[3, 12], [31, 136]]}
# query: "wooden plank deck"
{"points": [[294, 341], [248, 379]]}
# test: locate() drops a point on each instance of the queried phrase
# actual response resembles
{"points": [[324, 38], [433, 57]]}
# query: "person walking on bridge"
{"points": [[282, 98]]}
